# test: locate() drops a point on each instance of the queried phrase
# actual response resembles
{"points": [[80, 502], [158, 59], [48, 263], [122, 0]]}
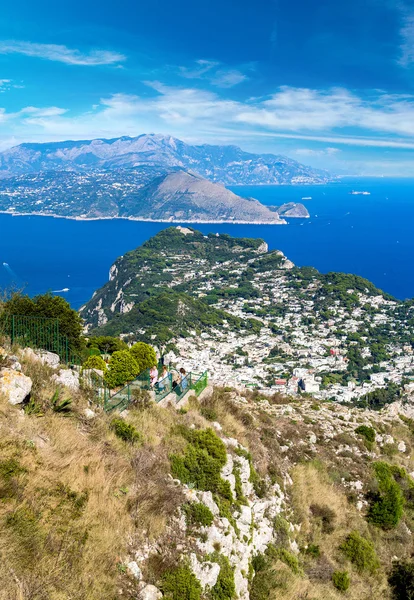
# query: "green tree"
{"points": [[95, 362], [56, 307], [144, 355], [122, 368], [107, 344]]}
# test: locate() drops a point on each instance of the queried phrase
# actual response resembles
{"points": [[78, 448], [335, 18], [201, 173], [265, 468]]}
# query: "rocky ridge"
{"points": [[228, 165]]}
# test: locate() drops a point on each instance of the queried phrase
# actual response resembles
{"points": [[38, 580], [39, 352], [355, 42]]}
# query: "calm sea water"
{"points": [[372, 236]]}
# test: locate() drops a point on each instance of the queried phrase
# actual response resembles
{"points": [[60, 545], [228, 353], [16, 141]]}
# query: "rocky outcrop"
{"points": [[67, 378], [293, 210], [14, 385]]}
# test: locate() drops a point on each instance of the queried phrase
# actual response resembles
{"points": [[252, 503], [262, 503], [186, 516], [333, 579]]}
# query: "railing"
{"points": [[43, 333], [123, 397]]}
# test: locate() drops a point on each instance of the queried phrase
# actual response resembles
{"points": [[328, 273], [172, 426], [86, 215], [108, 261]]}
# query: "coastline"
{"points": [[143, 219]]}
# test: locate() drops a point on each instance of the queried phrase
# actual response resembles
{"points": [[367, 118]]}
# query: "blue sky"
{"points": [[328, 83]]}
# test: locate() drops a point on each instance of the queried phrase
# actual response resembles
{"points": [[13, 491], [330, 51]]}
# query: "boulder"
{"points": [[89, 414], [45, 357], [14, 385], [150, 592], [68, 378], [134, 569], [48, 358]]}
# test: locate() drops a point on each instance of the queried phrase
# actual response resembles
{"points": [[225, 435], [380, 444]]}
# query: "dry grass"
{"points": [[65, 522], [312, 487]]}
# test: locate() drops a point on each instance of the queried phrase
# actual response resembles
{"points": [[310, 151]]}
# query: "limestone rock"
{"points": [[206, 572], [150, 592], [68, 378], [402, 447], [14, 385], [48, 358], [89, 414], [134, 569]]}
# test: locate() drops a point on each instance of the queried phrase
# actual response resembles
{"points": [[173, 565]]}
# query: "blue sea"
{"points": [[371, 235]]}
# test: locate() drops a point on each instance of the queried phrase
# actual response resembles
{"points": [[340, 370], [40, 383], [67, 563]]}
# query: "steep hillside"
{"points": [[224, 164], [233, 496], [249, 316]]}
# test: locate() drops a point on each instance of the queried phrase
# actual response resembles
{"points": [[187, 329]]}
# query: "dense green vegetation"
{"points": [[48, 306], [360, 552], [122, 368]]}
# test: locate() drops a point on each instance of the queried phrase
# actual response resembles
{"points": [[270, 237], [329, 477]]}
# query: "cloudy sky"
{"points": [[328, 83]]}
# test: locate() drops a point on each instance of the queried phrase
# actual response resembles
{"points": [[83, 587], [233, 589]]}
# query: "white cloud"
{"points": [[227, 79], [317, 152], [333, 117], [214, 72], [61, 53]]}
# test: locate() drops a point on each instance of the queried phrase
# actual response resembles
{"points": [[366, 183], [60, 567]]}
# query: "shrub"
{"points": [[238, 486], [366, 432], [181, 584], [209, 413], [144, 356], [326, 516], [386, 505], [95, 362], [341, 580], [313, 550], [401, 580], [60, 406], [224, 588], [122, 368], [126, 431], [285, 556], [360, 552], [281, 530], [197, 514], [202, 461]]}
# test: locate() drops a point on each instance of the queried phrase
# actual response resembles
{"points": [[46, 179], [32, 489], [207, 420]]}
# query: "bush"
{"points": [[181, 584], [209, 413], [313, 550], [202, 461], [197, 514], [360, 552], [122, 368], [224, 588], [144, 356], [341, 580], [95, 362], [325, 515], [366, 432], [126, 431], [386, 504], [401, 580]]}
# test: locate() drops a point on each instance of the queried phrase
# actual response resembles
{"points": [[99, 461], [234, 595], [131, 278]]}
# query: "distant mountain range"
{"points": [[150, 177], [228, 165]]}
